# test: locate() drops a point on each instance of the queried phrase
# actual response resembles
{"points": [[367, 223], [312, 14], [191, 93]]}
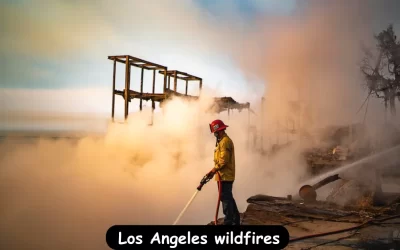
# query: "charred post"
{"points": [[165, 80], [141, 89], [175, 81], [113, 91], [153, 90], [126, 97]]}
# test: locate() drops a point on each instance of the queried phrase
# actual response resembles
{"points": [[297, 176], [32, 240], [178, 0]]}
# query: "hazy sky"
{"points": [[57, 44], [54, 52]]}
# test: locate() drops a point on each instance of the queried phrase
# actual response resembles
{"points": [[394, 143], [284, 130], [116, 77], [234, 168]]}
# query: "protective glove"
{"points": [[212, 173], [206, 178]]}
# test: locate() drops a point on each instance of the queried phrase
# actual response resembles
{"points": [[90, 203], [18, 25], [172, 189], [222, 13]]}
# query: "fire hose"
{"points": [[206, 179], [345, 229], [219, 199], [203, 181]]}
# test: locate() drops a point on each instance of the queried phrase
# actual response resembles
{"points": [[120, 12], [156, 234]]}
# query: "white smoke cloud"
{"points": [[136, 174]]}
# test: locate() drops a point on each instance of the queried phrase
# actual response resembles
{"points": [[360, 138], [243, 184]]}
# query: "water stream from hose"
{"points": [[387, 155], [186, 207]]}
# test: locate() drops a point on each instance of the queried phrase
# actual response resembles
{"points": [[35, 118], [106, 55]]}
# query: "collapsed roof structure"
{"points": [[220, 104]]}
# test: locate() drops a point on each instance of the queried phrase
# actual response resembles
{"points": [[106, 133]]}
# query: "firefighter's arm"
{"points": [[224, 157]]}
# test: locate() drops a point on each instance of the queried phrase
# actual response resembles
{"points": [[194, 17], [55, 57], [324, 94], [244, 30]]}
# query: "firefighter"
{"points": [[224, 164]]}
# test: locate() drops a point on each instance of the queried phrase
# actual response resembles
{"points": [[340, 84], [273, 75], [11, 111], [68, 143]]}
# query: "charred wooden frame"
{"points": [[175, 74], [220, 103], [129, 94]]}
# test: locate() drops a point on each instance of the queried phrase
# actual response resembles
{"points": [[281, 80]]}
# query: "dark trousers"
{"points": [[229, 208]]}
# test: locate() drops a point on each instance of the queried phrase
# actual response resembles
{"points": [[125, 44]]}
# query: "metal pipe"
{"points": [[308, 192]]}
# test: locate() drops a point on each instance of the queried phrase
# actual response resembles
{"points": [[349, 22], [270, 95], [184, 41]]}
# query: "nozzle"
{"points": [[203, 181]]}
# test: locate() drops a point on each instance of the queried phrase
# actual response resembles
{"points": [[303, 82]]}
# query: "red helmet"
{"points": [[217, 125]]}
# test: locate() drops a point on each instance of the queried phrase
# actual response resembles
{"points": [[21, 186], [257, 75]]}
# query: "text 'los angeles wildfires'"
{"points": [[201, 237]]}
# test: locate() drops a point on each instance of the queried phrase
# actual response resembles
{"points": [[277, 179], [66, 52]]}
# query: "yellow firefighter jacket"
{"points": [[224, 159]]}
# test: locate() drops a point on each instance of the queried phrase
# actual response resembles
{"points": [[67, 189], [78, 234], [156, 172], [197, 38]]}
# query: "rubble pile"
{"points": [[320, 154], [337, 146], [321, 159], [351, 192], [356, 214], [321, 217]]}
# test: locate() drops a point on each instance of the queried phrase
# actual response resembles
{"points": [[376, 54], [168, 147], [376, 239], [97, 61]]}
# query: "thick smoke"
{"points": [[62, 192], [311, 57], [310, 65]]}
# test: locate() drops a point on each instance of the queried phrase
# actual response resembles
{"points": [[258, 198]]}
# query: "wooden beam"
{"points": [[119, 60], [182, 78], [175, 81], [132, 61], [141, 88], [153, 90], [127, 76], [165, 79], [154, 81], [117, 57], [151, 66], [147, 62], [186, 76], [113, 91], [141, 67]]}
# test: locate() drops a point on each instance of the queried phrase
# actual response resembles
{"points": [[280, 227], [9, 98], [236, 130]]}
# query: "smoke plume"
{"points": [[62, 192]]}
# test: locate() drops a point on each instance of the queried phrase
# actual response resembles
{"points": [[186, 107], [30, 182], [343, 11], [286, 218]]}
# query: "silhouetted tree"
{"points": [[383, 79]]}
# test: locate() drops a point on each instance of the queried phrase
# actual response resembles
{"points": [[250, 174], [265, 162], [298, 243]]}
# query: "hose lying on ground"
{"points": [[345, 229]]}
